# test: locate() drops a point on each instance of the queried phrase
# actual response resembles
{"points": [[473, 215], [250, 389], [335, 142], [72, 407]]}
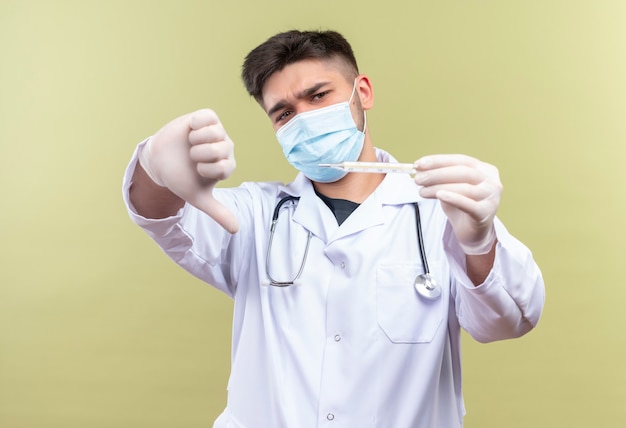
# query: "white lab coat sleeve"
{"points": [[208, 258], [508, 304]]}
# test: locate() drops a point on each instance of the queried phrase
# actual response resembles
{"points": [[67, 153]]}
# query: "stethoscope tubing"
{"points": [[425, 284], [275, 216]]}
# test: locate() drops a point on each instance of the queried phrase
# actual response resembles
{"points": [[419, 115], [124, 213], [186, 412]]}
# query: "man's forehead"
{"points": [[300, 76]]}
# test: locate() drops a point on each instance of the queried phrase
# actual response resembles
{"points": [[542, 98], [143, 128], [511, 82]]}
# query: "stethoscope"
{"points": [[424, 284]]}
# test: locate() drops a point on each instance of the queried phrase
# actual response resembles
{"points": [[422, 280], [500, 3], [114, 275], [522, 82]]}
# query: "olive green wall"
{"points": [[99, 329]]}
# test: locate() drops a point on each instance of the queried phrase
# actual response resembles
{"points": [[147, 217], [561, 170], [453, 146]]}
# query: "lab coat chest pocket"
{"points": [[402, 314]]}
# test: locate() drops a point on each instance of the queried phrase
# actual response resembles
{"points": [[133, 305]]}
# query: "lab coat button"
{"points": [[330, 416], [343, 265], [337, 337]]}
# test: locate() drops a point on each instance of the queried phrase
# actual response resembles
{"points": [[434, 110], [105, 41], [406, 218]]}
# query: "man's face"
{"points": [[308, 85]]}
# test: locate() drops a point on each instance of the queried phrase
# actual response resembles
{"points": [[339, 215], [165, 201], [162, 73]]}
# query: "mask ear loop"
{"points": [[364, 112]]}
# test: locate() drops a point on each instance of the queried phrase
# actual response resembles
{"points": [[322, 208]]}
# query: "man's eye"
{"points": [[284, 115], [320, 95]]}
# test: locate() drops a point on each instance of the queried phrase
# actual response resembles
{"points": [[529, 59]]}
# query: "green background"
{"points": [[99, 329]]}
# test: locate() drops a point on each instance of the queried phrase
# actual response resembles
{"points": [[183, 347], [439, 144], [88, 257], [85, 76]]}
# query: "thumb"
{"points": [[216, 210]]}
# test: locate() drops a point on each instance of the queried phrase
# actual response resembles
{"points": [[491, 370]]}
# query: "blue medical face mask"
{"points": [[325, 135]]}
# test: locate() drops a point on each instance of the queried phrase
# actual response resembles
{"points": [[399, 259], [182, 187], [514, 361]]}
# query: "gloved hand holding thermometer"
{"points": [[189, 156], [469, 191]]}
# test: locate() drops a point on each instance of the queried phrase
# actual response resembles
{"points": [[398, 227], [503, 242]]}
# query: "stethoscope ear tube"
{"points": [[296, 280], [424, 284]]}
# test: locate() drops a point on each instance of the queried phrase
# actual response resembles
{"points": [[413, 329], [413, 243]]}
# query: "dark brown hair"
{"points": [[289, 47]]}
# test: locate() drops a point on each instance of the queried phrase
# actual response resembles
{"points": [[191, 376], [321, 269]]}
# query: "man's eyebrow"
{"points": [[278, 106], [305, 93]]}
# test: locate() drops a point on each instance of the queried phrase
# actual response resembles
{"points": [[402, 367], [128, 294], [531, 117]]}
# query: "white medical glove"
{"points": [[469, 191], [189, 156]]}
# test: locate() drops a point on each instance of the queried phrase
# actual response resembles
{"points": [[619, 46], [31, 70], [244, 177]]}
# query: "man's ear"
{"points": [[365, 91]]}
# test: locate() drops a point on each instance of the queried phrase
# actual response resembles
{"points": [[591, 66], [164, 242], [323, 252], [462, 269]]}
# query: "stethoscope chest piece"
{"points": [[427, 287]]}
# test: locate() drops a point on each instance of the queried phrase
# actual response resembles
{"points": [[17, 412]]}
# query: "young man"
{"points": [[347, 312]]}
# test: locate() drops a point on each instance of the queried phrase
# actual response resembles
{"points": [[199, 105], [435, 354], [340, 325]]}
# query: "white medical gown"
{"points": [[353, 345]]}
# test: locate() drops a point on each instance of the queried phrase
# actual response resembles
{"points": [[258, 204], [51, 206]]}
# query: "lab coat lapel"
{"points": [[312, 213], [316, 217], [367, 215], [398, 189], [395, 189]]}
